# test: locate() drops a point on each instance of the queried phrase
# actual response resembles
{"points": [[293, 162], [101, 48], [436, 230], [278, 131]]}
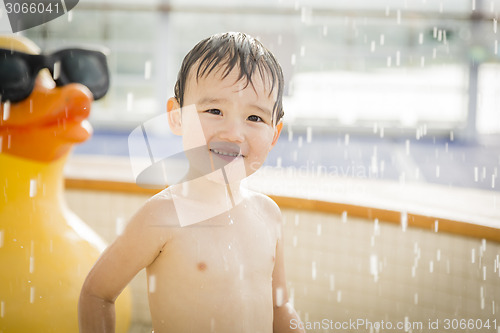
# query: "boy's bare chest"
{"points": [[231, 248]]}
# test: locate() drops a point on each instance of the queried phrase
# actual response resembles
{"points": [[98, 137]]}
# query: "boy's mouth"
{"points": [[224, 153]]}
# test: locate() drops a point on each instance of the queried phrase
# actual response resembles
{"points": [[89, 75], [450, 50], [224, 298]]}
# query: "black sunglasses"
{"points": [[18, 71]]}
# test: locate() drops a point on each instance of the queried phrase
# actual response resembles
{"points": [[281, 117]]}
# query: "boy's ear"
{"points": [[174, 116], [277, 132]]}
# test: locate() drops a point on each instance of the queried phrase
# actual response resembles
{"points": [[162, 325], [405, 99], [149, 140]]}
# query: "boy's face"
{"points": [[236, 118]]}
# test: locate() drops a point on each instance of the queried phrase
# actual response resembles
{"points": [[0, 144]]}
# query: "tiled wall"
{"points": [[342, 269]]}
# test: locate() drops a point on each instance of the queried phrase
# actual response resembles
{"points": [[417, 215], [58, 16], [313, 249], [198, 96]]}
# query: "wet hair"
{"points": [[227, 51]]}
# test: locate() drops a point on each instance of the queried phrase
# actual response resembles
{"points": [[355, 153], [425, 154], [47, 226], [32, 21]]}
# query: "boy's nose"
{"points": [[232, 130]]}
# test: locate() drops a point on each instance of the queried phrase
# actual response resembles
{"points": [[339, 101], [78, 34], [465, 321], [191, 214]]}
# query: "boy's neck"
{"points": [[208, 191], [202, 199]]}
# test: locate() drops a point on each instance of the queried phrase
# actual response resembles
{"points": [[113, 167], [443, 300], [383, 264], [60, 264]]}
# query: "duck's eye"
{"points": [[255, 118], [214, 111]]}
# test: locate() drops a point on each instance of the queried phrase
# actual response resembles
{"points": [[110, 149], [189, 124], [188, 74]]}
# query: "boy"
{"points": [[212, 250]]}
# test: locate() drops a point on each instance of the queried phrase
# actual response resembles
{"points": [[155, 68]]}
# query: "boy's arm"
{"points": [[136, 248], [285, 317]]}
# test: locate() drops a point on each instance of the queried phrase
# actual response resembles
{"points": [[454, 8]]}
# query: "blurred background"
{"points": [[405, 90]]}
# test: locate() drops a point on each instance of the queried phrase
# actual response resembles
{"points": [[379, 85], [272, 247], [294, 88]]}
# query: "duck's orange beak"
{"points": [[44, 126]]}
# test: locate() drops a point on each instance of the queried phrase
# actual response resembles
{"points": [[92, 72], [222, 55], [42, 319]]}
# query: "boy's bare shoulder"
{"points": [[159, 210], [266, 204]]}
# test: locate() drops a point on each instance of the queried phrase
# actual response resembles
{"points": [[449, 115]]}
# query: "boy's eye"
{"points": [[214, 111], [255, 118]]}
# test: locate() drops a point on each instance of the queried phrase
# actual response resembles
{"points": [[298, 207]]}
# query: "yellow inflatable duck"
{"points": [[45, 250]]}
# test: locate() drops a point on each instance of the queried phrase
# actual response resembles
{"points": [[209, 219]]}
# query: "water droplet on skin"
{"points": [[242, 270], [226, 264], [278, 231], [279, 297], [152, 283], [212, 325]]}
